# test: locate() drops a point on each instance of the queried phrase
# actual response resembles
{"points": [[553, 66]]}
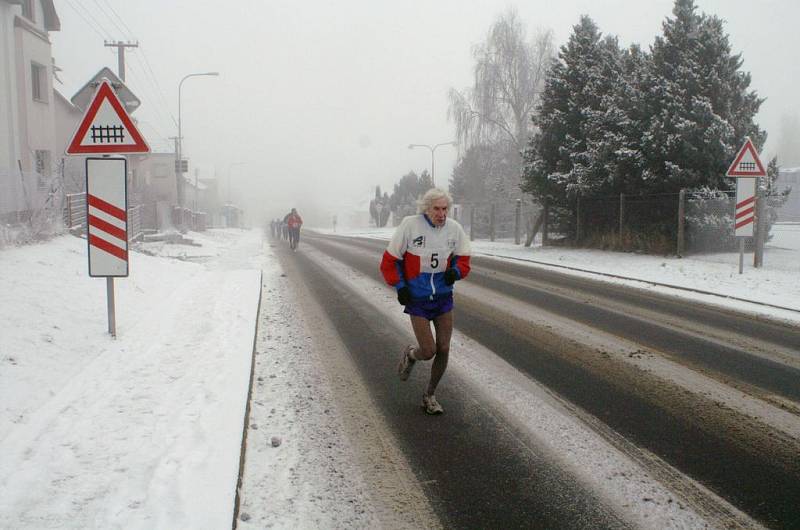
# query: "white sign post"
{"points": [[746, 168], [106, 129], [107, 219]]}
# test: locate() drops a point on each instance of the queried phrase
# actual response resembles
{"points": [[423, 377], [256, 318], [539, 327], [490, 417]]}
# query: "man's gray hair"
{"points": [[434, 194]]}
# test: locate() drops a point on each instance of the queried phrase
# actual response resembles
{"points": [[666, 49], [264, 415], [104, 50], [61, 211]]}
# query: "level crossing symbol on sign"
{"points": [[747, 168], [106, 127], [747, 163], [107, 216]]}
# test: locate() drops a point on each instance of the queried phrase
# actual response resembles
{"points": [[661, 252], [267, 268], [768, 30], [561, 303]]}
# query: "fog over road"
{"points": [[704, 403]]}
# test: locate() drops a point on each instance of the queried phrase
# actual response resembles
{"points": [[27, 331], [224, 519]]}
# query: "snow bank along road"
{"points": [[571, 403]]}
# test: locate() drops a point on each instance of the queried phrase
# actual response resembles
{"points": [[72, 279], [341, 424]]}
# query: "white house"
{"points": [[67, 118], [27, 116]]}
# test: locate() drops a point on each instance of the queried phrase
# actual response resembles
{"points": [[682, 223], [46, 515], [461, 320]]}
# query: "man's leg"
{"points": [[444, 331], [422, 330]]}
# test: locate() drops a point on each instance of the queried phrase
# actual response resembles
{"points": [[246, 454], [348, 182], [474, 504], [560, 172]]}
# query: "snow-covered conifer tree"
{"points": [[697, 102]]}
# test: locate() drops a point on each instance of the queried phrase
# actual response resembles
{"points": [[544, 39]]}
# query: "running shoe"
{"points": [[430, 405], [406, 364]]}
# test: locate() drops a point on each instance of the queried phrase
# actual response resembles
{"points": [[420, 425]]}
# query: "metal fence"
{"points": [[499, 220], [75, 211], [698, 224], [75, 216], [646, 223]]}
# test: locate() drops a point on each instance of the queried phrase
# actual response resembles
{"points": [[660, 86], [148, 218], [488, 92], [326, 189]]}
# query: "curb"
{"points": [[246, 423]]}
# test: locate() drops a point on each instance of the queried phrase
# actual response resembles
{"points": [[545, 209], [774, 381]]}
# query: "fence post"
{"points": [[517, 217], [621, 217], [69, 212], [758, 251], [472, 222], [681, 221], [546, 214], [491, 223], [578, 221]]}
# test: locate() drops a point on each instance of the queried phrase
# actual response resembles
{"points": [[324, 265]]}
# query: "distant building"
{"points": [[789, 178]]}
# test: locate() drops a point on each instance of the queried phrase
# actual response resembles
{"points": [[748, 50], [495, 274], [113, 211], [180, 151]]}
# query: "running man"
{"points": [[294, 222], [427, 254]]}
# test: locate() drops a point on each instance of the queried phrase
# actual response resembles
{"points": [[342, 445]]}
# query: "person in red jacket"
{"points": [[294, 222]]}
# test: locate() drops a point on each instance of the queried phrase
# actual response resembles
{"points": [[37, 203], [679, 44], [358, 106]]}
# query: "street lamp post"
{"points": [[179, 150], [432, 149]]}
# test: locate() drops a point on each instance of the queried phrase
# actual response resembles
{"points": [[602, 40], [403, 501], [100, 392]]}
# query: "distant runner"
{"points": [[427, 254], [294, 222]]}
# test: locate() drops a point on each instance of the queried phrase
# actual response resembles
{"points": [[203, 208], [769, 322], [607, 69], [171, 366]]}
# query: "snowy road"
{"points": [[568, 402], [658, 402]]}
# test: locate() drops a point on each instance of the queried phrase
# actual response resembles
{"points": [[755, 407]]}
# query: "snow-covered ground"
{"points": [[144, 431], [139, 432]]}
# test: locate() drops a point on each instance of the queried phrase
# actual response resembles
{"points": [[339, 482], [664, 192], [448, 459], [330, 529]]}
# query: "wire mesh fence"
{"points": [[709, 222], [698, 223], [510, 220], [646, 223]]}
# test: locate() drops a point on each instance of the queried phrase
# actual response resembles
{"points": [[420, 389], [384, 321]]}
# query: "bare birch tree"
{"points": [[495, 113]]}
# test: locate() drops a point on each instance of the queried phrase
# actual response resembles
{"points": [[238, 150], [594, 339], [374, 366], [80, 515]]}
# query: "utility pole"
{"points": [[178, 171], [120, 46]]}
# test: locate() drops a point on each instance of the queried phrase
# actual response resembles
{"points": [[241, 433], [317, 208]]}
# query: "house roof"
{"points": [[51, 20], [60, 97]]}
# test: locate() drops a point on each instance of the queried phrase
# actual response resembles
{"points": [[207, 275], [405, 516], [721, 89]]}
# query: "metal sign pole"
{"points": [[112, 317]]}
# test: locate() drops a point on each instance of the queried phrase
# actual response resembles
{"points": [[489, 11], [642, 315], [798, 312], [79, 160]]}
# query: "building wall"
{"points": [[9, 119], [37, 117], [67, 117], [155, 176], [26, 126]]}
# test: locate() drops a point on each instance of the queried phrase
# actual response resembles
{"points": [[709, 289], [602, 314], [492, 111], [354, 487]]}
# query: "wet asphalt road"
{"points": [[745, 467], [474, 469]]}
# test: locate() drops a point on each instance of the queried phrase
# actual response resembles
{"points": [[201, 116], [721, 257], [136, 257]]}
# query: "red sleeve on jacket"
{"points": [[390, 269], [462, 264]]}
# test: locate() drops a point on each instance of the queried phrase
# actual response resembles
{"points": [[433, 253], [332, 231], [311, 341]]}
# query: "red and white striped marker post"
{"points": [[746, 168], [107, 216], [106, 128]]}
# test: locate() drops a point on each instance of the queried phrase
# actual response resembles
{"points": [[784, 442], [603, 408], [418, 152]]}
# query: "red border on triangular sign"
{"points": [[747, 147], [104, 91]]}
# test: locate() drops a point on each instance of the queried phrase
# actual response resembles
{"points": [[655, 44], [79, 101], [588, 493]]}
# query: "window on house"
{"points": [[43, 169], [27, 9], [38, 82]]}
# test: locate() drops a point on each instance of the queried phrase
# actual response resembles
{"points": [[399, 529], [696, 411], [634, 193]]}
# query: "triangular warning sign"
{"points": [[747, 163], [106, 127]]}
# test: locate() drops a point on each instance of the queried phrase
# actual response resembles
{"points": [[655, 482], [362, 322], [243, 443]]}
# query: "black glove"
{"points": [[450, 276], [404, 295]]}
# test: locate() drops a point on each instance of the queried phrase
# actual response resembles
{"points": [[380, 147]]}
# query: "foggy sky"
{"points": [[317, 101]]}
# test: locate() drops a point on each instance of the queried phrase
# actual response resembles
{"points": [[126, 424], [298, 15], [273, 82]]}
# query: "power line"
{"points": [[109, 17], [160, 107], [94, 20], [148, 70], [158, 86], [91, 26], [157, 109], [121, 20]]}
